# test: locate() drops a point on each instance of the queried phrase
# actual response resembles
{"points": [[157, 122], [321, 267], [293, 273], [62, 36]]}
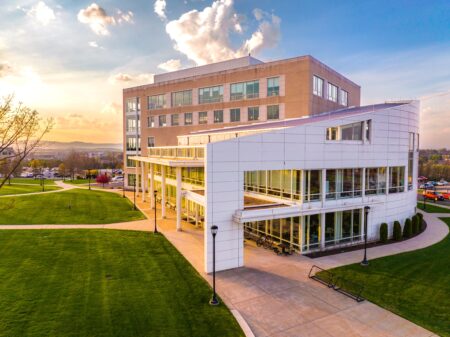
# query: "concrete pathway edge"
{"points": [[243, 323]]}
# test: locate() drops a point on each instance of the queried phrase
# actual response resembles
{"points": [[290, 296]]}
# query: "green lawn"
{"points": [[103, 283], [23, 189], [80, 181], [31, 181], [432, 208], [415, 285], [77, 206]]}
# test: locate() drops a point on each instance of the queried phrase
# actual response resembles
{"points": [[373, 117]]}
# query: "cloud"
{"points": [[111, 109], [42, 13], [170, 65], [205, 36], [6, 69], [93, 44], [160, 9], [97, 18], [145, 78]]}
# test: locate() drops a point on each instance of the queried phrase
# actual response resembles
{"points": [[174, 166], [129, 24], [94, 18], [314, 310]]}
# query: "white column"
{"points": [[163, 191], [323, 186], [143, 181], [362, 223], [322, 230], [152, 186], [363, 184], [196, 215], [387, 180], [136, 175], [178, 176]]}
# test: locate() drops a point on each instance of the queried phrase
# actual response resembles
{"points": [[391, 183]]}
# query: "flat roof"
{"points": [[301, 120]]}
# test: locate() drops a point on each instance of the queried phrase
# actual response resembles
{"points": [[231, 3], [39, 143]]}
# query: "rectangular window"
{"points": [[244, 90], [131, 123], [132, 144], [273, 86], [235, 115], [202, 117], [352, 131], [131, 179], [411, 141], [332, 92], [182, 98], [332, 133], [162, 120], [174, 120], [188, 118], [253, 113], [210, 95], [368, 129], [273, 112], [396, 179], [151, 141], [133, 104], [156, 102], [151, 121], [344, 98], [317, 86], [130, 163], [218, 116]]}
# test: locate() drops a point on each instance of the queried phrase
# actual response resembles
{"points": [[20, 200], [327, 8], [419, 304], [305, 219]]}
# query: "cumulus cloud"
{"points": [[205, 36], [145, 78], [170, 65], [42, 13], [98, 20], [160, 9], [111, 109]]}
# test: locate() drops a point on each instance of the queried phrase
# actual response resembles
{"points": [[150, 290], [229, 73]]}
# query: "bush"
{"points": [[384, 232], [397, 231], [420, 215], [407, 229], [415, 224]]}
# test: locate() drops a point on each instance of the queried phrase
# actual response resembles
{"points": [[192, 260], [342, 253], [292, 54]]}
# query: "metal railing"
{"points": [[342, 285], [177, 152]]}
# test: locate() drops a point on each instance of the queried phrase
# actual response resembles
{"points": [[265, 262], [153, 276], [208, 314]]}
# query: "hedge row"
{"points": [[412, 227]]}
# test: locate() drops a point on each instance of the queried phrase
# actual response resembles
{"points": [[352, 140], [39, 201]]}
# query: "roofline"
{"points": [[252, 66]]}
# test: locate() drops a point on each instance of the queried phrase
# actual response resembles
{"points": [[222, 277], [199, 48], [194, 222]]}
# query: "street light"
{"points": [[364, 262], [89, 177], [123, 185], [214, 300], [154, 200], [134, 193]]}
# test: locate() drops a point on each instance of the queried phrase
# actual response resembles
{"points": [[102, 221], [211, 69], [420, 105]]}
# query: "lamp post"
{"points": [[89, 177], [43, 188], [425, 199], [134, 192], [364, 262], [214, 300], [123, 185], [154, 200]]}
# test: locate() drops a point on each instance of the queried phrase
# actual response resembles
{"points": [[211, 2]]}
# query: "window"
{"points": [[151, 141], [317, 86], [343, 183], [132, 144], [130, 163], [162, 120], [202, 117], [156, 102], [411, 141], [375, 180], [344, 98], [133, 104], [332, 92], [131, 124], [411, 160], [273, 86], [332, 133], [131, 179], [188, 118], [235, 115], [244, 90], [210, 95], [396, 179], [253, 113], [218, 116], [312, 188], [174, 120], [151, 121], [368, 129], [273, 112], [181, 98], [352, 131]]}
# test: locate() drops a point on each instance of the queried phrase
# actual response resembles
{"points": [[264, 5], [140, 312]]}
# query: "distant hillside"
{"points": [[79, 146]]}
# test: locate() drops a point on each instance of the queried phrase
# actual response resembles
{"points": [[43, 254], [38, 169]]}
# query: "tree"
{"points": [[103, 179], [21, 128], [62, 170], [37, 166], [73, 163]]}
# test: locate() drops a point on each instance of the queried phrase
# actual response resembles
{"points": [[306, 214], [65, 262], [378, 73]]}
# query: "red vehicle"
{"points": [[445, 195], [432, 196]]}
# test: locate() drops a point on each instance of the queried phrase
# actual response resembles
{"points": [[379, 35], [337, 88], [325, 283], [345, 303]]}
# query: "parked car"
{"points": [[433, 196], [117, 179], [445, 195]]}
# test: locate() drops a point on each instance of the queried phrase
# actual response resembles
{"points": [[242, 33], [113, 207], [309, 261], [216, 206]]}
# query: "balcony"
{"points": [[177, 152]]}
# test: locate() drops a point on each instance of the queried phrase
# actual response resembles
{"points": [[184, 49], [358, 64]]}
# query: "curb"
{"points": [[242, 323]]}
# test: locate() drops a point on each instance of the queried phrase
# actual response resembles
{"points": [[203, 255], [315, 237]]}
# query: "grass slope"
{"points": [[24, 189], [103, 283], [430, 208], [31, 181], [77, 206], [415, 285], [80, 181]]}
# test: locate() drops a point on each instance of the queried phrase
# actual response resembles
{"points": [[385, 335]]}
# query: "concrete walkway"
{"points": [[274, 294], [57, 183]]}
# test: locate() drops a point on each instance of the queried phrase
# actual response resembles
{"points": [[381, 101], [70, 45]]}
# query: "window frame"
{"points": [[277, 112], [217, 114], [318, 90], [174, 120], [332, 92], [251, 113], [273, 90], [203, 117], [233, 115], [190, 119]]}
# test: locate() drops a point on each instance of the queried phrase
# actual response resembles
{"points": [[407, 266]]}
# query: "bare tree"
{"points": [[22, 129]]}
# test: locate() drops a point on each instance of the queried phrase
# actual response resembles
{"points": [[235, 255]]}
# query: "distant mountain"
{"points": [[79, 146]]}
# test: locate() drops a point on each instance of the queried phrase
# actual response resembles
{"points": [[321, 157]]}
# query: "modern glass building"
{"points": [[304, 182]]}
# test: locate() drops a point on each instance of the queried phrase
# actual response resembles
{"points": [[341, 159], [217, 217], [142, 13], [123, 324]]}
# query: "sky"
{"points": [[70, 60]]}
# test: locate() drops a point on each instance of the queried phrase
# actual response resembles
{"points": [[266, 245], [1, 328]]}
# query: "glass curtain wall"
{"points": [[396, 179], [343, 183], [342, 227], [375, 180]]}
